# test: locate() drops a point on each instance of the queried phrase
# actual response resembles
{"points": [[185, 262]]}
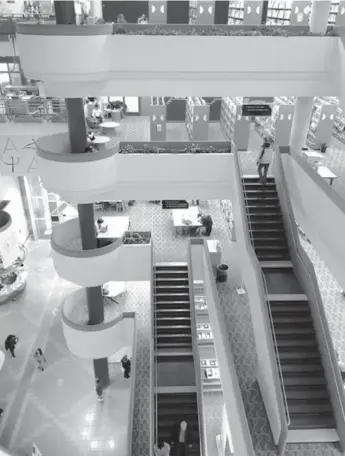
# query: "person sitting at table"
{"points": [[142, 19], [207, 223], [121, 19], [91, 136], [97, 113]]}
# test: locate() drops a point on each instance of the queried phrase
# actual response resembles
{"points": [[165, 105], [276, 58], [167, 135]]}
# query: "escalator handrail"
{"points": [[195, 348], [154, 371], [268, 306], [304, 260]]}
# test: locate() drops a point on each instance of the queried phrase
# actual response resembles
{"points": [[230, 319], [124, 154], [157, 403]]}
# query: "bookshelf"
{"points": [[197, 118], [333, 13], [279, 12], [236, 12], [300, 12], [158, 116], [321, 123], [232, 124], [193, 4], [340, 18], [201, 12]]}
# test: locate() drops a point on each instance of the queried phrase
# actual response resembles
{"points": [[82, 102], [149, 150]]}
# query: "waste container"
{"points": [[222, 272]]}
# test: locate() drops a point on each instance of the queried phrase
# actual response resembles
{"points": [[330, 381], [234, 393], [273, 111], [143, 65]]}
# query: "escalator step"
{"points": [[312, 421]]}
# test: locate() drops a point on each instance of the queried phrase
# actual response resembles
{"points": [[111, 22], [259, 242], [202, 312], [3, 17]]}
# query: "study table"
{"points": [[99, 142], [109, 128], [326, 173], [184, 219], [115, 114]]}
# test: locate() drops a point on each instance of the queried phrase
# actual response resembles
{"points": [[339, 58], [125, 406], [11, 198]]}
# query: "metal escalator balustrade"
{"points": [[301, 371], [175, 392]]}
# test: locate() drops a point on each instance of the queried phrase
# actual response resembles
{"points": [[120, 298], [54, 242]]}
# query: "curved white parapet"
{"points": [[90, 268], [95, 341], [109, 176], [87, 175], [9, 243], [142, 64]]}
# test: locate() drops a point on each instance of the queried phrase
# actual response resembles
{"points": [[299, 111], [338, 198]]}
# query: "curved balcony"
{"points": [[118, 261], [148, 59], [109, 338], [9, 244], [81, 178]]}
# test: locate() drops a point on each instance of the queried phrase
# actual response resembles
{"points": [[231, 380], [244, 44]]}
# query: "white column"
{"points": [[96, 9], [300, 122], [319, 16]]}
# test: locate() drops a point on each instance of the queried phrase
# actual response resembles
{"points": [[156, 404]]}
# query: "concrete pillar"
{"points": [[96, 9], [300, 122], [319, 16], [78, 140]]}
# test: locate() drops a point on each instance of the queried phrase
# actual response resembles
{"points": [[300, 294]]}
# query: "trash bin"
{"points": [[222, 272]]}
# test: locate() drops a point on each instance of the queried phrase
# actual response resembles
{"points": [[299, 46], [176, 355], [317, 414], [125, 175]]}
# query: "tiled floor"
{"points": [[57, 408]]}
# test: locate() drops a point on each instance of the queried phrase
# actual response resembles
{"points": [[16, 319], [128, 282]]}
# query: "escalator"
{"points": [[304, 381], [175, 388]]}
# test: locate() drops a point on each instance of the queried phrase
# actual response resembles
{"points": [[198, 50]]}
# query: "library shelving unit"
{"points": [[233, 125], [197, 118], [321, 123], [158, 116], [333, 13], [278, 126], [278, 13], [340, 18], [339, 126], [300, 12], [236, 12], [193, 5], [201, 12]]}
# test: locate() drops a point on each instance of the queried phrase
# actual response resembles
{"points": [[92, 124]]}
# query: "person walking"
{"points": [[126, 365], [181, 438], [40, 359], [99, 390], [10, 344], [265, 159]]}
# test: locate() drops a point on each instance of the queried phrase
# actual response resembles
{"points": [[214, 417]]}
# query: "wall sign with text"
{"points": [[18, 155]]}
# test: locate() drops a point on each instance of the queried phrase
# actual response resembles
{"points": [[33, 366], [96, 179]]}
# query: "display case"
{"points": [[204, 333], [278, 13], [158, 116], [321, 123], [200, 304], [197, 118], [233, 125], [236, 12]]}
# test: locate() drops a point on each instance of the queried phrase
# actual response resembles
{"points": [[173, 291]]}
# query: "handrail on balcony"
{"points": [[268, 305]]}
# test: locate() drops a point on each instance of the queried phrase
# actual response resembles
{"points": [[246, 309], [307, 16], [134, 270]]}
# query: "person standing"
{"points": [[265, 159], [40, 359], [126, 365], [10, 344], [181, 438], [99, 390], [161, 448]]}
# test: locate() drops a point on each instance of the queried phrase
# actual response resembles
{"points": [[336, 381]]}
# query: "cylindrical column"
{"points": [[319, 16], [300, 122], [78, 140]]}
